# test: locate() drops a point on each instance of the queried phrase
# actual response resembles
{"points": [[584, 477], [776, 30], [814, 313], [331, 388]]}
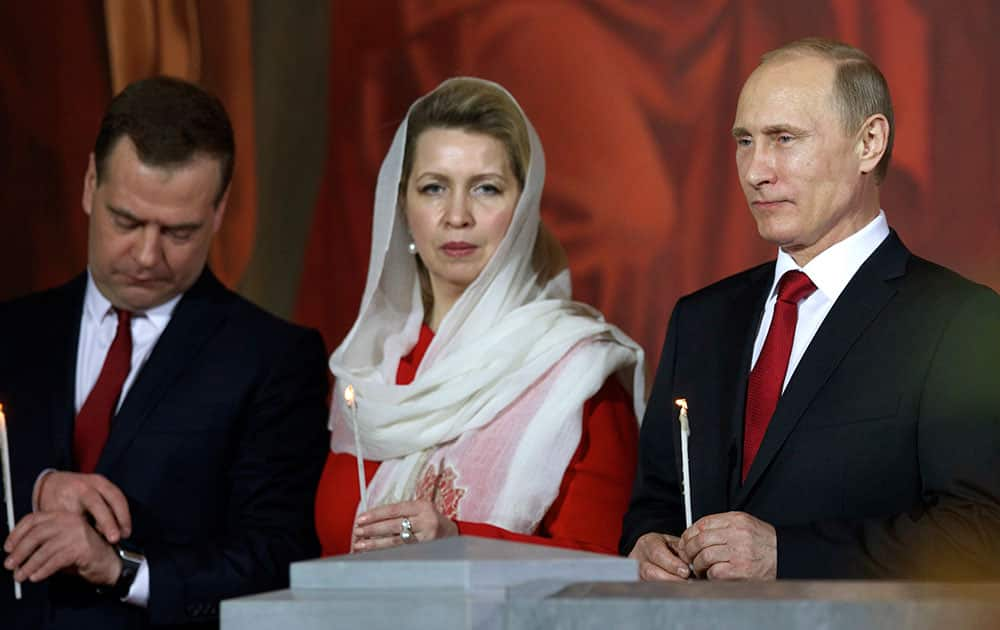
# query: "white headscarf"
{"points": [[493, 416]]}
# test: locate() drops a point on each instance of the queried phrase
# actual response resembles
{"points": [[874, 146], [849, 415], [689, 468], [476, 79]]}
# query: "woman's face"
{"points": [[459, 202]]}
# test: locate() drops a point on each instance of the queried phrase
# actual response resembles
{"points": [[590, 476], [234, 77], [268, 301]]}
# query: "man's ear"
{"points": [[89, 186], [874, 142], [220, 209]]}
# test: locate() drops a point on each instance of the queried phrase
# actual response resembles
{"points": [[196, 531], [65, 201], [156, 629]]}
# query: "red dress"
{"points": [[587, 513]]}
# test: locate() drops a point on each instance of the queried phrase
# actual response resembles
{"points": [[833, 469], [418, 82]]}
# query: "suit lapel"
{"points": [[64, 337], [196, 319], [864, 297], [749, 304]]}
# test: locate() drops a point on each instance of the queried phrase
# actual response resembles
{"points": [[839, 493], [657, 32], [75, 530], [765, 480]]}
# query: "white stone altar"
{"points": [[783, 605], [458, 583], [483, 584]]}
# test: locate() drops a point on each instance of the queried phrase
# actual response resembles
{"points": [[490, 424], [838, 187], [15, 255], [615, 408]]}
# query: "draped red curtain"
{"points": [[205, 42], [634, 102], [54, 85]]}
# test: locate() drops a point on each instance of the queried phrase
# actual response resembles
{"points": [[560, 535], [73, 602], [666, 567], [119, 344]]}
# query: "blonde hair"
{"points": [[474, 106]]}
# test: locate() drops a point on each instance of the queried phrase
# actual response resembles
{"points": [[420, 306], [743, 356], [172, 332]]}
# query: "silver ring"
{"points": [[406, 531]]}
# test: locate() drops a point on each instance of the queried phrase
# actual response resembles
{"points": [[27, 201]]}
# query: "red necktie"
{"points": [[93, 423], [768, 374]]}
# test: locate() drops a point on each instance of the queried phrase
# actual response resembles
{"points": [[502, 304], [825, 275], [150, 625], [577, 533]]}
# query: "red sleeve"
{"points": [[597, 484], [337, 499]]}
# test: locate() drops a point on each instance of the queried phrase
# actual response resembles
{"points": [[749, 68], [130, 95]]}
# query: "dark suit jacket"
{"points": [[218, 446], [882, 458]]}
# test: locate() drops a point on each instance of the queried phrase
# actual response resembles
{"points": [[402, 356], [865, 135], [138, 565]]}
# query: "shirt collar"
{"points": [[97, 307], [834, 267]]}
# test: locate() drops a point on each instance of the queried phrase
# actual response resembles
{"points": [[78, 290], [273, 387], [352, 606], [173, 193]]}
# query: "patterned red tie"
{"points": [[768, 374], [93, 423]]}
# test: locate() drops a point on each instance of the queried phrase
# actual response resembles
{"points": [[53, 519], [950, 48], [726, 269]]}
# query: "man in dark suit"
{"points": [[167, 436], [844, 400]]}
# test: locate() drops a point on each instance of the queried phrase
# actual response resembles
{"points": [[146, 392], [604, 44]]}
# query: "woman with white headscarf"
{"points": [[487, 402]]}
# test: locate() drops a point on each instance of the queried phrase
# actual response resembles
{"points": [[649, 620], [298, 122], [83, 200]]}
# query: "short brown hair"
{"points": [[169, 121], [859, 88]]}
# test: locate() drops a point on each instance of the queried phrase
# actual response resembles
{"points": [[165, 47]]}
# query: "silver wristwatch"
{"points": [[131, 561]]}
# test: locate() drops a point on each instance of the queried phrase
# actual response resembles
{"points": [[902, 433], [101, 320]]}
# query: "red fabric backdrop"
{"points": [[54, 85], [634, 102]]}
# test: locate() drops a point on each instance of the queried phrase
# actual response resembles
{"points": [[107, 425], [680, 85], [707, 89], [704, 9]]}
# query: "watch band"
{"points": [[131, 561]]}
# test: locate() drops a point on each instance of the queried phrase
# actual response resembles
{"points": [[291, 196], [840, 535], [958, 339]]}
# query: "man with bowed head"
{"points": [[845, 418], [167, 435]]}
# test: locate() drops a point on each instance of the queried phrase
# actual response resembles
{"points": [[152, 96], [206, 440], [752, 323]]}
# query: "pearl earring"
{"points": [[412, 248]]}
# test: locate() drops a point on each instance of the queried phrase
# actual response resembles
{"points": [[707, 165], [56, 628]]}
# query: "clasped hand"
{"points": [[728, 546], [380, 528], [59, 536]]}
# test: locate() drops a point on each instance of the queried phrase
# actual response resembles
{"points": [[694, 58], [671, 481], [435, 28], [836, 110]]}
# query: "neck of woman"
{"points": [[444, 299]]}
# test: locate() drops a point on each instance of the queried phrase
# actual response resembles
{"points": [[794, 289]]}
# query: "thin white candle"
{"points": [[352, 410], [686, 466], [8, 492]]}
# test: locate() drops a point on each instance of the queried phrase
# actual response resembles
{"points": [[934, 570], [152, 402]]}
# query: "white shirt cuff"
{"points": [[139, 593], [38, 484]]}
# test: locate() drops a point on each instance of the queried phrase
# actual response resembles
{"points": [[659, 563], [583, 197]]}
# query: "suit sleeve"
{"points": [[956, 533], [657, 504], [271, 473]]}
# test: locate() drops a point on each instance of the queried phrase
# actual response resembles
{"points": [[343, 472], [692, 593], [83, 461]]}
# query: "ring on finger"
{"points": [[406, 531]]}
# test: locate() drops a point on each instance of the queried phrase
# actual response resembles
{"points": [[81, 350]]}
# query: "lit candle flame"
{"points": [[352, 407], [682, 417]]}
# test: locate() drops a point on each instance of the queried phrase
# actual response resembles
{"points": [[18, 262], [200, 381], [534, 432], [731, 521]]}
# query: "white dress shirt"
{"points": [[98, 325], [830, 271], [97, 330]]}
